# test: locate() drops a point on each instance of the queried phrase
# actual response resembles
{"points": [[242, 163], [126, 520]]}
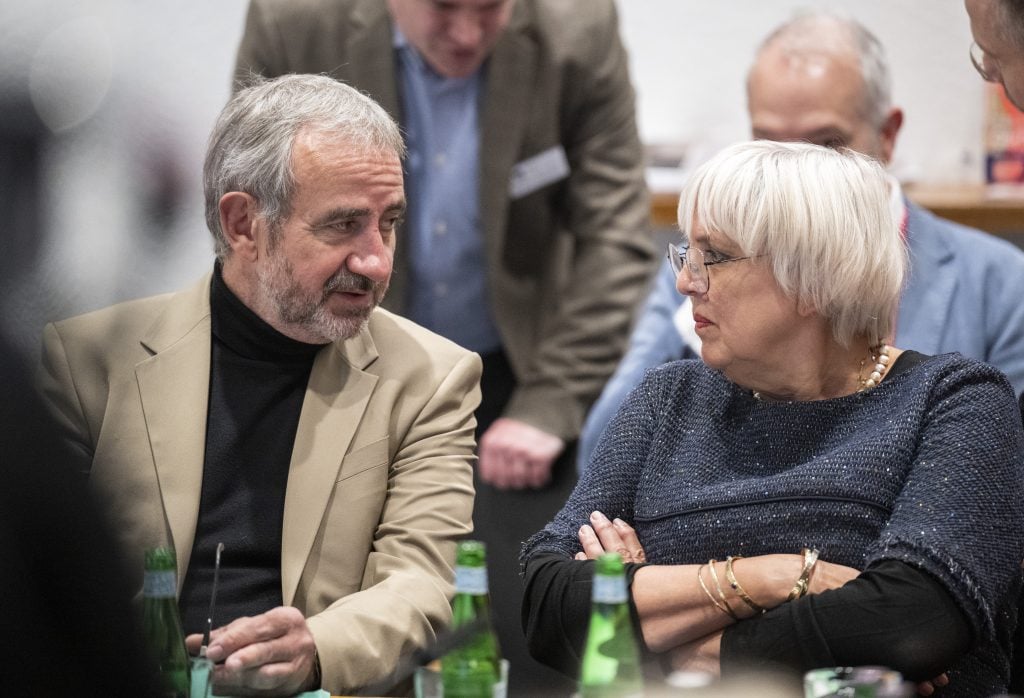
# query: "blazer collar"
{"points": [[336, 398], [174, 388]]}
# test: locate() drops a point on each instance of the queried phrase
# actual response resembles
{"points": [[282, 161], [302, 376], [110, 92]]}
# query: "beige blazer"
{"points": [[379, 487], [567, 262]]}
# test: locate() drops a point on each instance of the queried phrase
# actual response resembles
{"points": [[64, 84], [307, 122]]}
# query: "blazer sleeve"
{"points": [[61, 396], [407, 583], [605, 208]]}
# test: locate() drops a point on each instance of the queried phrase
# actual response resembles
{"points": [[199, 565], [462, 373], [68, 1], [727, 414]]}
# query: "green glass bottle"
{"points": [[611, 661], [473, 669], [161, 622]]}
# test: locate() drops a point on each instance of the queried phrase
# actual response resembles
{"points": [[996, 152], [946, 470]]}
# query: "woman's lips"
{"points": [[701, 322]]}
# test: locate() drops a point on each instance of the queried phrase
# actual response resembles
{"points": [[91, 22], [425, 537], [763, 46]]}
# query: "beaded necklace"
{"points": [[880, 359]]}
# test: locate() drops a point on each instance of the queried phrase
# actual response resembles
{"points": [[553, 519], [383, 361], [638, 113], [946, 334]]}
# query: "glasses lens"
{"points": [[692, 259], [697, 268], [675, 259]]}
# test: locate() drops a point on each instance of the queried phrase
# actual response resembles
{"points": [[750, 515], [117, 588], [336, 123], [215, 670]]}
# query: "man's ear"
{"points": [[239, 216], [889, 130]]}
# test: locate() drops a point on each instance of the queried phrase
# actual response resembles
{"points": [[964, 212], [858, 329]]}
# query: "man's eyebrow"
{"points": [[828, 131], [346, 214], [340, 214], [397, 207]]}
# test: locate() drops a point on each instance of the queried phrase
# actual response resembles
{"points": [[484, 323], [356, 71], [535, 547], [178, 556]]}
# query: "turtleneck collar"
{"points": [[246, 333]]}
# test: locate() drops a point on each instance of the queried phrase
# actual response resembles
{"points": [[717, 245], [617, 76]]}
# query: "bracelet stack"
{"points": [[722, 606], [718, 597], [803, 582], [730, 576]]}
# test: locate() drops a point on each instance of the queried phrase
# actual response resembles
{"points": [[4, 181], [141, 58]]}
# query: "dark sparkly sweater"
{"points": [[926, 469]]}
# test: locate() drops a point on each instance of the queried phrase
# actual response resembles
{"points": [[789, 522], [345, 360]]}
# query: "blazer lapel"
{"points": [[336, 398], [506, 101], [174, 389], [928, 297]]}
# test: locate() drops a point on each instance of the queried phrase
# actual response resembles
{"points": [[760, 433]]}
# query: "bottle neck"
{"points": [[609, 589], [471, 580], [159, 584]]}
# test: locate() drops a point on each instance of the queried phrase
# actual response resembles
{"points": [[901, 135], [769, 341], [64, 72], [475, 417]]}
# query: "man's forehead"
{"points": [[796, 84]]}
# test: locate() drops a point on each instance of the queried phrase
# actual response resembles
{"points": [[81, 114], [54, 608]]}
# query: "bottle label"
{"points": [[471, 580], [159, 585], [609, 589]]}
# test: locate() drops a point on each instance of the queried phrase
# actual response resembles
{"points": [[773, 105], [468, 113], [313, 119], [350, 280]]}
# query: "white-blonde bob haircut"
{"points": [[821, 218]]}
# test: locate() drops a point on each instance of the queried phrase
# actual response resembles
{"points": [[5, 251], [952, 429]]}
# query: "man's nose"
{"points": [[373, 259], [465, 30]]}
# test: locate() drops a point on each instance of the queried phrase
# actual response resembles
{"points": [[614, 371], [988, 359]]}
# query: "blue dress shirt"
{"points": [[448, 289]]}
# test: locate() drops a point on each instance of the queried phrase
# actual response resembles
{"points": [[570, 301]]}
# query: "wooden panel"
{"points": [[997, 211]]}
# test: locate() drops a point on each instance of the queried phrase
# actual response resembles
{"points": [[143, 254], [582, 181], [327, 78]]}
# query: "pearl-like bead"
{"points": [[880, 367]]}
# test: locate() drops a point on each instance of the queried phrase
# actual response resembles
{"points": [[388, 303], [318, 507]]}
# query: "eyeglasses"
{"points": [[692, 259], [980, 60]]}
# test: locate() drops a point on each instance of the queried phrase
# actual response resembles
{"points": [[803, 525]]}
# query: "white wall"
{"points": [[689, 60]]}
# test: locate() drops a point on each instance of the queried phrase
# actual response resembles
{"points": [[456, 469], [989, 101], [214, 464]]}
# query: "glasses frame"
{"points": [[978, 58], [696, 266]]}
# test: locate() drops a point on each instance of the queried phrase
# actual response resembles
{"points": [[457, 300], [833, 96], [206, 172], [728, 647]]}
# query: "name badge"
{"points": [[538, 171]]}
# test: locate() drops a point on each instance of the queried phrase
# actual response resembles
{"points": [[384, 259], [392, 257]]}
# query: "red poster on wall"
{"points": [[1004, 138]]}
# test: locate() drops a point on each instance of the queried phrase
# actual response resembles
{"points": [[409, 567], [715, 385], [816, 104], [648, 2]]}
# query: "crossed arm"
{"points": [[685, 610]]}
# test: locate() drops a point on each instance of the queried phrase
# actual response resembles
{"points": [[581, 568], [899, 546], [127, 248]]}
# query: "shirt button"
{"points": [[440, 228], [440, 290], [440, 159]]}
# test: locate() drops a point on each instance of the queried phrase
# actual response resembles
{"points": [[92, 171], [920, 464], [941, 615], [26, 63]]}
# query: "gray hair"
{"points": [[823, 33], [823, 219], [1010, 15], [250, 148]]}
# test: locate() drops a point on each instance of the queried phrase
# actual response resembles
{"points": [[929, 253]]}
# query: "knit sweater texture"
{"points": [[927, 468]]}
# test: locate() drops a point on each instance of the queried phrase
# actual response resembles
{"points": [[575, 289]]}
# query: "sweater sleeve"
{"points": [[893, 615], [556, 609]]}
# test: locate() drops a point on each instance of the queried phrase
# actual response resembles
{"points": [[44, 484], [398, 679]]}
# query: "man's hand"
{"points": [[514, 455], [272, 654]]}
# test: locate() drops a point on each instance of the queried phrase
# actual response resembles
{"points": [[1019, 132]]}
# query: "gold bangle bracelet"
{"points": [[721, 594], [730, 576], [724, 609], [803, 582]]}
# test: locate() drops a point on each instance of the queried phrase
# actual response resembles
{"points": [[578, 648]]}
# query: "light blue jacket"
{"points": [[965, 293]]}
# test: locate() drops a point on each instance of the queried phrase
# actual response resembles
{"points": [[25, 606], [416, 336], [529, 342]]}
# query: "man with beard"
{"points": [[275, 408]]}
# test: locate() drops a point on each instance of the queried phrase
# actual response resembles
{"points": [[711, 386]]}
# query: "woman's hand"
{"points": [[927, 688], [603, 536]]}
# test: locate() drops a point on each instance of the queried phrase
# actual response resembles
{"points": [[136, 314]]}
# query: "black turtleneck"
{"points": [[258, 378]]}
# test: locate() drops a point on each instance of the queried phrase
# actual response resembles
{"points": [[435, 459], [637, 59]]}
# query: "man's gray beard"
{"points": [[293, 307]]}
